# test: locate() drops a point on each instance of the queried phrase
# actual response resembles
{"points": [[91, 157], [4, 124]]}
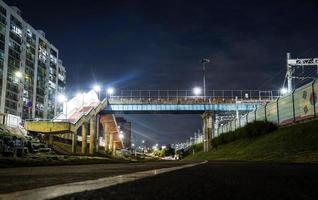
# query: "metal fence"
{"points": [[297, 106], [187, 96]]}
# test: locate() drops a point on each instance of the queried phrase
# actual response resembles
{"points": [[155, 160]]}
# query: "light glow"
{"points": [[283, 91], [97, 88], [196, 91], [110, 91], [62, 98], [18, 74]]}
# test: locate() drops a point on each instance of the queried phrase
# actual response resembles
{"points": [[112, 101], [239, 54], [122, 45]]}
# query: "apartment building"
{"points": [[31, 73]]}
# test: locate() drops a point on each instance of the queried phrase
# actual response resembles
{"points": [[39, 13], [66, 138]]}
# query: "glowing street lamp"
{"points": [[110, 91], [97, 88], [18, 74], [283, 91], [197, 91], [63, 99]]}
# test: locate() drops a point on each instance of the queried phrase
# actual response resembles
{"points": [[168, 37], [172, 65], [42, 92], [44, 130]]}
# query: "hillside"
{"points": [[297, 143]]}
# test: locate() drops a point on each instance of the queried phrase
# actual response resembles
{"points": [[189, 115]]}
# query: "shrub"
{"points": [[251, 130]]}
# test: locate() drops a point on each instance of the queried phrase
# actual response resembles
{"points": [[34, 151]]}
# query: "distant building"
{"points": [[31, 74], [125, 126]]}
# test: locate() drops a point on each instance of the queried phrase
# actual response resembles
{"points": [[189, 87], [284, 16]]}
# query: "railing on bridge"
{"points": [[187, 97]]}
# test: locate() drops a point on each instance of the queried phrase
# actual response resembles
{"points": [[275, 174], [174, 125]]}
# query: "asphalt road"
{"points": [[23, 178], [219, 180]]}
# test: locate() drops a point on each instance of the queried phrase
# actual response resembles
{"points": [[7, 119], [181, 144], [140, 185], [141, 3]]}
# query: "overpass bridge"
{"points": [[83, 115], [183, 102]]}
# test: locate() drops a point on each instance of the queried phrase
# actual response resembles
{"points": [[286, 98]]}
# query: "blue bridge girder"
{"points": [[177, 108]]}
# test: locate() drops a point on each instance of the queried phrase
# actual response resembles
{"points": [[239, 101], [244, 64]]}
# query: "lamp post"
{"points": [[204, 61], [110, 91], [19, 76], [63, 99], [97, 89]]}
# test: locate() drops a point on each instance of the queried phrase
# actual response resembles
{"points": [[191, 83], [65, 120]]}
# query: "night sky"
{"points": [[158, 45]]}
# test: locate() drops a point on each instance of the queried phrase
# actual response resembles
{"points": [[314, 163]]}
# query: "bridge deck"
{"points": [[177, 108]]}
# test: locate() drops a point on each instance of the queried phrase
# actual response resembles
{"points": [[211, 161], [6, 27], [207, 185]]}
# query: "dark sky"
{"points": [[158, 45]]}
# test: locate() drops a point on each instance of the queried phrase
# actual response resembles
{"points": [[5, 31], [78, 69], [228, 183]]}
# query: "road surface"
{"points": [[23, 178], [213, 180], [219, 180]]}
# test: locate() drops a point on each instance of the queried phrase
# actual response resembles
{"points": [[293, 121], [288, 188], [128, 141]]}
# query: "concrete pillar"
{"points": [[92, 136], [207, 123], [97, 133], [114, 148], [84, 138], [74, 142], [106, 136], [110, 141]]}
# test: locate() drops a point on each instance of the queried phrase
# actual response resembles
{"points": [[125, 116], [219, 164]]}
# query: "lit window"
{"points": [[16, 30]]}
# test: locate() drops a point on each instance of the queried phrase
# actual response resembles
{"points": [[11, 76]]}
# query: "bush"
{"points": [[251, 130]]}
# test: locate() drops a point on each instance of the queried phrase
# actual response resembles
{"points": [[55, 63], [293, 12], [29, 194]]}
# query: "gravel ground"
{"points": [[219, 180], [23, 178]]}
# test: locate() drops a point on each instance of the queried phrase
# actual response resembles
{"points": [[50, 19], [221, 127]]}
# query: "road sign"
{"points": [[29, 104]]}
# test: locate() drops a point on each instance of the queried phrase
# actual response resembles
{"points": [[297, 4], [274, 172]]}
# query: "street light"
{"points": [[97, 89], [283, 91], [196, 91], [110, 91], [18, 74], [63, 99], [204, 61]]}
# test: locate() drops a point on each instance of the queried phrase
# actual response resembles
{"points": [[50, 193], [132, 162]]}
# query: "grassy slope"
{"points": [[297, 143]]}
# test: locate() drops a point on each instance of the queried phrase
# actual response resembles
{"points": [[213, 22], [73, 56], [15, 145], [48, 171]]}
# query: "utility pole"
{"points": [[204, 61], [298, 62], [289, 75]]}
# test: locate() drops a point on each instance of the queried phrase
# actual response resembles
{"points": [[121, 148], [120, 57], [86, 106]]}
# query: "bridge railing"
{"points": [[187, 97]]}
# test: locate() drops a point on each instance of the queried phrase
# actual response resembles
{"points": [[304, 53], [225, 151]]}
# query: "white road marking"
{"points": [[70, 188]]}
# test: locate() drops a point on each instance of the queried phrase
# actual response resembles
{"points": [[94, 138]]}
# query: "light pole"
{"points": [[110, 91], [204, 61], [62, 99], [19, 76], [97, 89]]}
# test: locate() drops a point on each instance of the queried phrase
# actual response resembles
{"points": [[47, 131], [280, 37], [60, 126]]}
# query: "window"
{"points": [[3, 11]]}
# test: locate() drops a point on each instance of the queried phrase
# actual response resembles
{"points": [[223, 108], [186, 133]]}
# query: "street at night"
{"points": [[161, 99]]}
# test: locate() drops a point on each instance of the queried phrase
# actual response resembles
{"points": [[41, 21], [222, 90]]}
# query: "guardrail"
{"points": [[188, 94]]}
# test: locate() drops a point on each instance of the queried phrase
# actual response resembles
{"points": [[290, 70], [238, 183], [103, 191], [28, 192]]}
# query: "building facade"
{"points": [[31, 73], [125, 127]]}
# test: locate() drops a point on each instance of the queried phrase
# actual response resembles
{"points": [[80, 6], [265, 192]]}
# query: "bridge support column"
{"points": [[92, 135], [106, 137], [97, 133], [110, 141], [114, 148], [74, 142], [84, 138], [207, 128]]}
